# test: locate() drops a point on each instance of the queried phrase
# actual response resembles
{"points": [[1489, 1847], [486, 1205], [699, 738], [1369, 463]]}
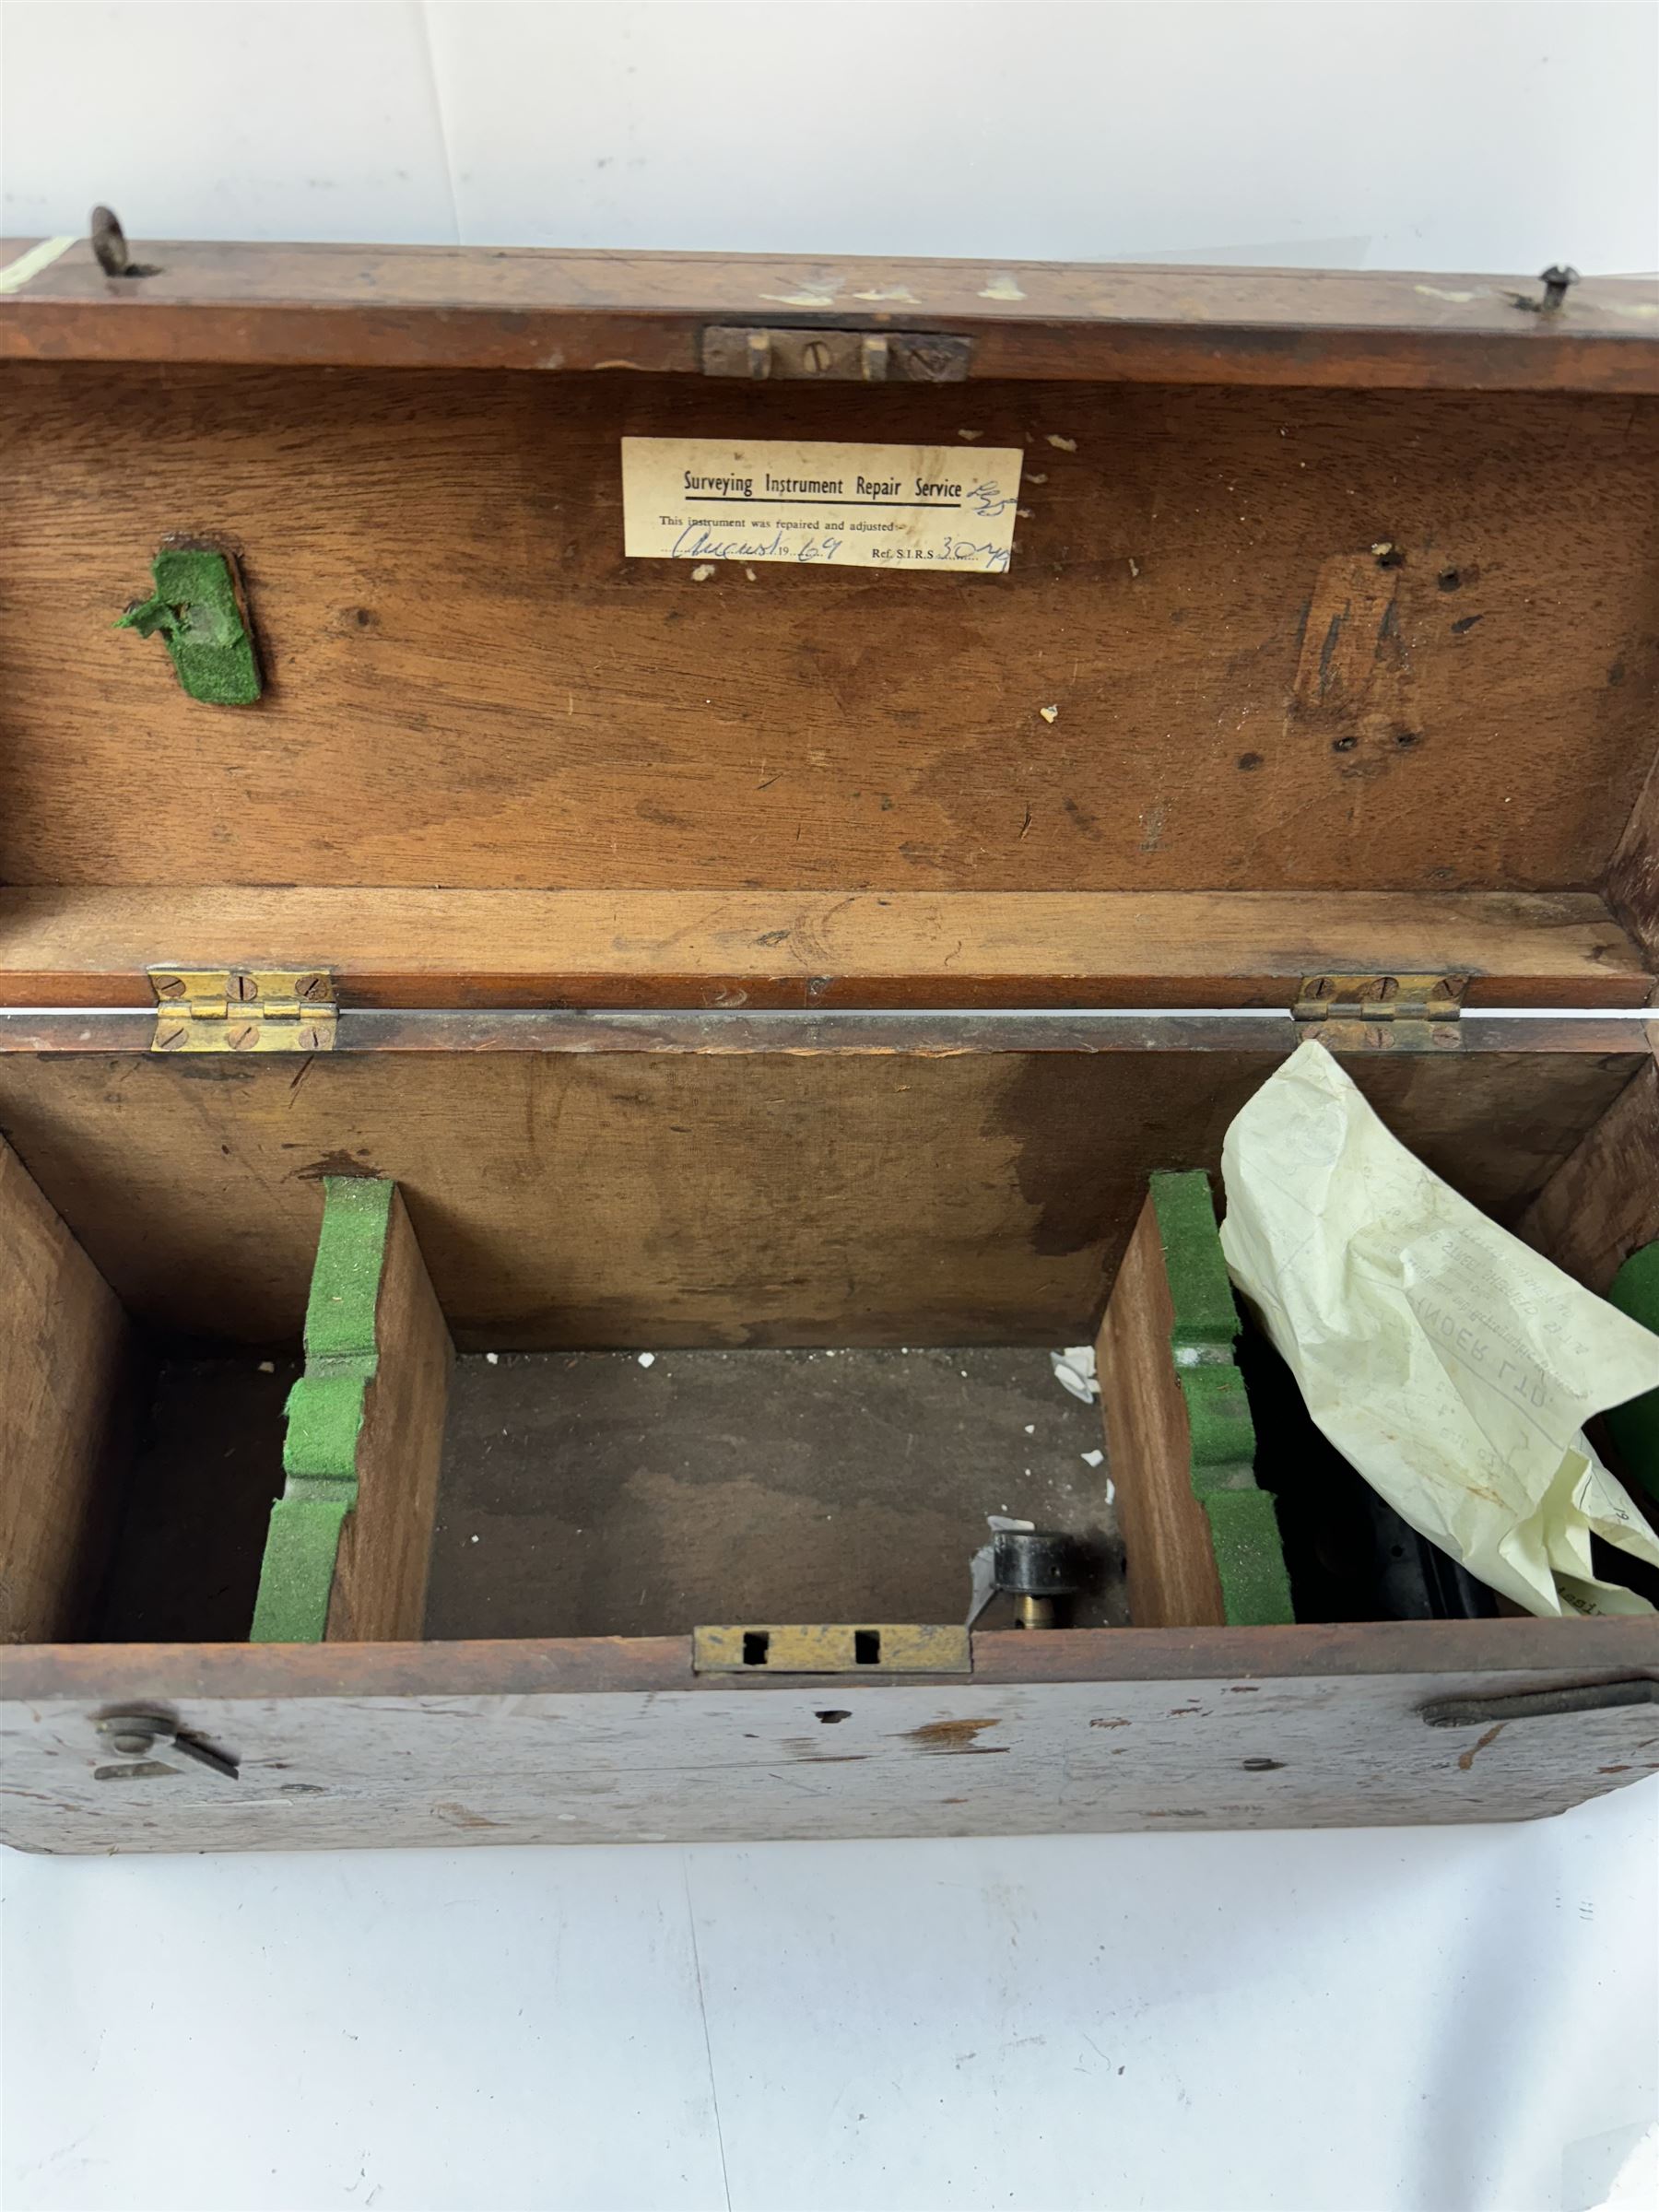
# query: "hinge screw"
{"points": [[169, 1040], [242, 1039], [169, 986], [816, 356]]}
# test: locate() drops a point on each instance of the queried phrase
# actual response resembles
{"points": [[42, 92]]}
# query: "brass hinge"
{"points": [[243, 1009], [836, 357], [831, 1650], [1382, 1013]]}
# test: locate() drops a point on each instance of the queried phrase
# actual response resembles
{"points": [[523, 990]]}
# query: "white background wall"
{"points": [[1438, 2019], [1385, 133]]}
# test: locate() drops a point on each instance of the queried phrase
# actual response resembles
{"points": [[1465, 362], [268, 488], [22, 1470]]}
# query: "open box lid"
{"points": [[1324, 646]]}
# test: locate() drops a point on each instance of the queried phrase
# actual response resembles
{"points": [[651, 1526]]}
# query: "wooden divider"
{"points": [[350, 1539]]}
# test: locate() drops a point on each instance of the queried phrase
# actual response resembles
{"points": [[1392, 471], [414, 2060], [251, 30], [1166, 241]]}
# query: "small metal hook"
{"points": [[109, 247]]}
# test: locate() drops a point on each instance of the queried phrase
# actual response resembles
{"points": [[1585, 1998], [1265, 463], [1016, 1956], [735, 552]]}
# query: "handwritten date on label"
{"points": [[842, 506]]}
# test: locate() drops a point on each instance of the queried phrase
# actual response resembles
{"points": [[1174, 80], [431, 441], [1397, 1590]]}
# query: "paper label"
{"points": [[845, 506]]}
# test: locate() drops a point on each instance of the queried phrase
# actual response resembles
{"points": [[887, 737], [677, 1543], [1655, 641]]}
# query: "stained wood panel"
{"points": [[662, 1198], [1299, 642], [612, 1741], [91, 948], [423, 306], [66, 1371]]}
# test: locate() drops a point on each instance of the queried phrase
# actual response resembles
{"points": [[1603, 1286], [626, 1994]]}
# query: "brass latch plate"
{"points": [[1382, 1013], [836, 357], [885, 1649], [243, 1009]]}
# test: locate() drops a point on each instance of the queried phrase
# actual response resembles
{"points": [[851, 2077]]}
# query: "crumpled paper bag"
{"points": [[1451, 1364]]}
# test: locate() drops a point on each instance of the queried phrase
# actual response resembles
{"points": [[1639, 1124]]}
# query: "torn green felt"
{"points": [[1244, 1525], [1634, 1426], [194, 607], [325, 1412]]}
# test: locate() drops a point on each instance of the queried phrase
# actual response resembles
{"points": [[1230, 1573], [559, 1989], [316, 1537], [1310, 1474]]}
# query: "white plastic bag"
{"points": [[1451, 1364]]}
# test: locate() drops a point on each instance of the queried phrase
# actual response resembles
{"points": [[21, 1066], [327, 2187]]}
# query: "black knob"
{"points": [[1037, 1566]]}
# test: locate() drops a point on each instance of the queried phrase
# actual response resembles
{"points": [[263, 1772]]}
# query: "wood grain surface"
{"points": [[608, 1741], [480, 307], [672, 1198], [1633, 878], [66, 1375], [1313, 643], [92, 947]]}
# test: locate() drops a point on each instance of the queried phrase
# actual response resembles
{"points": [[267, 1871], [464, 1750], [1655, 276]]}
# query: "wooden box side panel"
{"points": [[1248, 640]]}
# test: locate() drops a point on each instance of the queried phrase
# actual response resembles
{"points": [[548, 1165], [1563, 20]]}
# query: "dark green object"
{"points": [[1634, 1426], [1244, 1525], [196, 608], [326, 1411]]}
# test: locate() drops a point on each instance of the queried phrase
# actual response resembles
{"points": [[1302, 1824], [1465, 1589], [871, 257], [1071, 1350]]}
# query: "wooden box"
{"points": [[733, 954]]}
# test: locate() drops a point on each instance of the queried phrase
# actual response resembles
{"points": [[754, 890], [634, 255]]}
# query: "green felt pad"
{"points": [[194, 609], [1634, 1427]]}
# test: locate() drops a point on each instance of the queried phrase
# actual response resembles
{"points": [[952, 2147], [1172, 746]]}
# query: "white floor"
{"points": [[1439, 2018]]}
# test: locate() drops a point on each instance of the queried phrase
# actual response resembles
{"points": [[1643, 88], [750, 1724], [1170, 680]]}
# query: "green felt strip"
{"points": [[1634, 1426], [194, 609], [352, 1251], [326, 1411], [1250, 1560], [1200, 1289], [1218, 1417]]}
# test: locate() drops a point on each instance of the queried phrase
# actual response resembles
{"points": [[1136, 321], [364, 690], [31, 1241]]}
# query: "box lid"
{"points": [[1326, 634]]}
